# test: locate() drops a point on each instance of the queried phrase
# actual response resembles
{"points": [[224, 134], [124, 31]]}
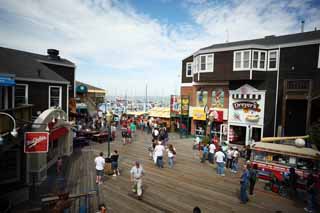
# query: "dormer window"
{"points": [[204, 63], [189, 69], [259, 60], [272, 62], [241, 60]]}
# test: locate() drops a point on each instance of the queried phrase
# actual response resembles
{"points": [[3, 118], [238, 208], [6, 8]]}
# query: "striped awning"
{"points": [[246, 96]]}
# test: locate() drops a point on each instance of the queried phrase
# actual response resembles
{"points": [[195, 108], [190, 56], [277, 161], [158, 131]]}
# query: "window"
{"points": [[55, 96], [204, 63], [272, 63], [21, 94], [259, 60], [189, 69], [241, 60]]}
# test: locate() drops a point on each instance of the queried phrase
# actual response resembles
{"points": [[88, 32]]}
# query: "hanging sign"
{"points": [[36, 142]]}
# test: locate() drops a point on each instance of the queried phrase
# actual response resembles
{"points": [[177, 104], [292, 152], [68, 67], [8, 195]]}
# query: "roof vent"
{"points": [[53, 54], [269, 36]]}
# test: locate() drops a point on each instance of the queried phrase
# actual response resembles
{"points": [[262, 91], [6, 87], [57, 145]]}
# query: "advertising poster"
{"points": [[202, 98], [185, 102], [218, 98], [36, 142], [174, 105]]}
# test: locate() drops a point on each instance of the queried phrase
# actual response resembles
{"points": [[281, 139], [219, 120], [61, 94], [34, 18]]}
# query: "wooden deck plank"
{"points": [[189, 184]]}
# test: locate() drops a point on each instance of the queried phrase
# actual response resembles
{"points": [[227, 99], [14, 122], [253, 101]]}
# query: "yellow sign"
{"points": [[199, 114]]}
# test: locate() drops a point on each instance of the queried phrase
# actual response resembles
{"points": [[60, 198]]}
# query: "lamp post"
{"points": [[14, 132], [109, 119]]}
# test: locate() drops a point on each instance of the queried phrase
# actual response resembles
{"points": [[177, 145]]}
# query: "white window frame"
{"points": [[26, 95], [198, 63], [259, 60], [277, 61], [241, 68], [191, 65], [60, 96]]}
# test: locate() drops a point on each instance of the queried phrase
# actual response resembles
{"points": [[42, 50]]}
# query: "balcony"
{"points": [[22, 114]]}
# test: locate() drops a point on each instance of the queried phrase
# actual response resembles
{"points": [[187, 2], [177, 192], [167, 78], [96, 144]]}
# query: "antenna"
{"points": [[227, 31], [302, 26]]}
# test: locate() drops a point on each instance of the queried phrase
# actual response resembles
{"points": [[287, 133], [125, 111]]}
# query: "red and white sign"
{"points": [[36, 142]]}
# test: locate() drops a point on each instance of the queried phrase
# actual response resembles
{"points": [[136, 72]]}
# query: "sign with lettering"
{"points": [[175, 107], [36, 142], [185, 101], [244, 108]]}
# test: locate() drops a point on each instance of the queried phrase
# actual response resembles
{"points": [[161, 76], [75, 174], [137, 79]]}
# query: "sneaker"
{"points": [[114, 175]]}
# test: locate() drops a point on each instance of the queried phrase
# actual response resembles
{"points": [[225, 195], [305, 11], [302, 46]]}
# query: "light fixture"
{"points": [[53, 120], [47, 128], [14, 132]]}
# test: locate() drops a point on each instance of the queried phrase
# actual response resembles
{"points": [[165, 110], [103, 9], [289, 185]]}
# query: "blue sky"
{"points": [[120, 45]]}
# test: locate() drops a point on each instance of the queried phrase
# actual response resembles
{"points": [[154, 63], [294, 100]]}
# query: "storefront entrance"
{"points": [[244, 134]]}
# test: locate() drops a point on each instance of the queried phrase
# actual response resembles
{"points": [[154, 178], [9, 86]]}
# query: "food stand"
{"points": [[276, 159]]}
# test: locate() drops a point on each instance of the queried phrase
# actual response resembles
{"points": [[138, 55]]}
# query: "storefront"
{"points": [[246, 115], [199, 121]]}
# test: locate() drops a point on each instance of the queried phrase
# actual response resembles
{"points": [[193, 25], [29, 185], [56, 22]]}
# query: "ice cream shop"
{"points": [[246, 115]]}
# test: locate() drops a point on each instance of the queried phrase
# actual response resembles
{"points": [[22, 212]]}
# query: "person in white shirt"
{"points": [[137, 173], [220, 158], [235, 158], [212, 149], [229, 157], [158, 152], [171, 155], [100, 162]]}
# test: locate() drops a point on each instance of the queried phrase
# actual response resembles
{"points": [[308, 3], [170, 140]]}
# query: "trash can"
{"points": [[107, 167]]}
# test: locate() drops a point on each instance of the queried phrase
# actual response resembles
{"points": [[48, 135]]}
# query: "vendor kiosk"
{"points": [[246, 115]]}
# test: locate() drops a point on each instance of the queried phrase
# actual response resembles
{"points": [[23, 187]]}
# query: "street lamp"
{"points": [[109, 119], [14, 132]]}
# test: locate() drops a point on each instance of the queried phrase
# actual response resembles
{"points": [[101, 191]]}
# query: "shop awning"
{"points": [[7, 81], [58, 133]]}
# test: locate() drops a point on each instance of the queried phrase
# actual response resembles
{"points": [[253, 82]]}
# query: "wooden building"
{"points": [[285, 67], [30, 84]]}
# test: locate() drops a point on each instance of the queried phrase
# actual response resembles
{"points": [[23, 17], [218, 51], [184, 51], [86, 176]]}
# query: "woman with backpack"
{"points": [[171, 155]]}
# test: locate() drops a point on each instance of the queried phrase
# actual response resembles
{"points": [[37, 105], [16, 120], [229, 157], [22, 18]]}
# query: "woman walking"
{"points": [[171, 155], [114, 163]]}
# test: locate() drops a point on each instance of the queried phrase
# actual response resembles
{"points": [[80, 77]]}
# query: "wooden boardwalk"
{"points": [[189, 184]]}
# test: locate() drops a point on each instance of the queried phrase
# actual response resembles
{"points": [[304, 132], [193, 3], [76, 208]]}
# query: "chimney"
{"points": [[53, 54], [302, 26]]}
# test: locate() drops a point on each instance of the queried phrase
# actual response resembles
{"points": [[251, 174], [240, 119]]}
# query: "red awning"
{"points": [[57, 133]]}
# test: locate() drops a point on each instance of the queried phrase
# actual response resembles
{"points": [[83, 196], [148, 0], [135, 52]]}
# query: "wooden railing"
{"points": [[21, 113]]}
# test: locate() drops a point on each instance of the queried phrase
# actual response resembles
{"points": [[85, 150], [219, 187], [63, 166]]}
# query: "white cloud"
{"points": [[118, 48]]}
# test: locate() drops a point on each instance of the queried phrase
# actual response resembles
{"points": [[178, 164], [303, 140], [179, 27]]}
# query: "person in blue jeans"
{"points": [[205, 151], [220, 160], [244, 181]]}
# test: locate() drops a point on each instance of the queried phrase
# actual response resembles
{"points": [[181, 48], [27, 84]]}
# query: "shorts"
{"points": [[114, 165], [124, 134], [99, 172]]}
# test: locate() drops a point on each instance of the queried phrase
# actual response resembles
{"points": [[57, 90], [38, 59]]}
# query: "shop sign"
{"points": [[174, 105], [36, 142], [246, 110], [185, 101], [199, 114], [246, 105]]}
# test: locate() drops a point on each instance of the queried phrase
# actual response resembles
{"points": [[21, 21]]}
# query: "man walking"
{"points": [[100, 162], [137, 173], [158, 152], [220, 158], [244, 185], [212, 149]]}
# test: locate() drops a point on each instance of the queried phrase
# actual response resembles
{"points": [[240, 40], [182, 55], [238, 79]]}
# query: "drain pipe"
{"points": [[277, 91]]}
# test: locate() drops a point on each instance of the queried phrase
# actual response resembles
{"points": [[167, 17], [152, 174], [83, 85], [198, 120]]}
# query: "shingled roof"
{"points": [[26, 65], [271, 40]]}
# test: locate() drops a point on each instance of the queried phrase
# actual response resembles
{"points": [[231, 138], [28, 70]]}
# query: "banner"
{"points": [[185, 102], [198, 113], [36, 142], [174, 105]]}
